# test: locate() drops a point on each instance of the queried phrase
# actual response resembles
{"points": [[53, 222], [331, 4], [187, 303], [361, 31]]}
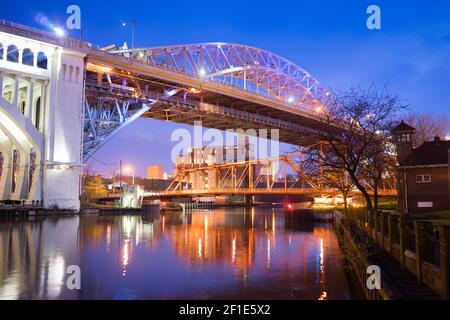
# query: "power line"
{"points": [[105, 163]]}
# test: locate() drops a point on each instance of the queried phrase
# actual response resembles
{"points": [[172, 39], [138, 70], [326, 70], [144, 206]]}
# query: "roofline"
{"points": [[424, 166]]}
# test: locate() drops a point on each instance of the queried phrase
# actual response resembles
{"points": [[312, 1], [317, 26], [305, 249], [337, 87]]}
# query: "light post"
{"points": [[132, 23]]}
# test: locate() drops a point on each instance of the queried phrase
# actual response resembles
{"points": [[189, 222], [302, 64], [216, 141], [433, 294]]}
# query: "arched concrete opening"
{"points": [[21, 147]]}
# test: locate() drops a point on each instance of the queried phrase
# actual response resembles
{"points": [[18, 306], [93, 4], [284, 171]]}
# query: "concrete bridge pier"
{"points": [[41, 95]]}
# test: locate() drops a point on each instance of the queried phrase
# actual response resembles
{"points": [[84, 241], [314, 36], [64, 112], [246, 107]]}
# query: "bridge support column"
{"points": [[63, 133], [248, 199]]}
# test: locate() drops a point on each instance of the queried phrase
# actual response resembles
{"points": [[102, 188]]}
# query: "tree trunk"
{"points": [[363, 191], [375, 197]]}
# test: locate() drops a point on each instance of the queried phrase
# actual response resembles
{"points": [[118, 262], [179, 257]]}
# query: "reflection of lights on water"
{"points": [[108, 237], [147, 230], [206, 222], [10, 290], [323, 296], [273, 223], [199, 245], [233, 250], [125, 256], [321, 254], [290, 239], [127, 226], [55, 278], [163, 223], [268, 253], [321, 261], [138, 233], [253, 216]]}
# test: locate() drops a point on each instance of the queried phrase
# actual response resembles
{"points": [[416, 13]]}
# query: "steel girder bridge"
{"points": [[283, 175], [225, 86]]}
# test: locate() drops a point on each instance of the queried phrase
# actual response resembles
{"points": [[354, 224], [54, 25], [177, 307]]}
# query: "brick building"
{"points": [[423, 172]]}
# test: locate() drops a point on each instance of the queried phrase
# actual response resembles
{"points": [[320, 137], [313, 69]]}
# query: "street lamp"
{"points": [[59, 31], [131, 23], [130, 169]]}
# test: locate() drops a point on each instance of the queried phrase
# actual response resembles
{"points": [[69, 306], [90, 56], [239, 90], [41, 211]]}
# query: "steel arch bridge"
{"points": [[221, 84], [245, 67]]}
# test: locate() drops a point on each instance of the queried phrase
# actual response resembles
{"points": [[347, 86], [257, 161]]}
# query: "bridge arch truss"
{"points": [[244, 67]]}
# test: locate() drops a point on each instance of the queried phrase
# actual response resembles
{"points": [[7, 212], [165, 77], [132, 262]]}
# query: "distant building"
{"points": [[167, 176], [423, 172], [155, 172], [210, 156]]}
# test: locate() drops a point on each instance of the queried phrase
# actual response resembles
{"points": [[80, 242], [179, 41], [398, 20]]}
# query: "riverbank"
{"points": [[359, 239]]}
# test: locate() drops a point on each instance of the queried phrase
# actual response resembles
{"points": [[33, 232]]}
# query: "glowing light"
{"points": [[98, 68], [323, 296], [202, 72], [59, 31], [319, 109], [170, 93], [195, 90], [128, 169], [291, 99]]}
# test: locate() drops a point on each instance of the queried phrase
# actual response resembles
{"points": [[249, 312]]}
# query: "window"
{"points": [[423, 178], [404, 137], [37, 114], [28, 57], [42, 60], [1, 51], [13, 54], [425, 204], [15, 171]]}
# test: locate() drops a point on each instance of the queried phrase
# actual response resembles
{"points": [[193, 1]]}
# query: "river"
{"points": [[239, 253]]}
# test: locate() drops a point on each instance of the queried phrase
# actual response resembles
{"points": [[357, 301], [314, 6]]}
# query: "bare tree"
{"points": [[339, 180], [356, 138], [428, 126]]}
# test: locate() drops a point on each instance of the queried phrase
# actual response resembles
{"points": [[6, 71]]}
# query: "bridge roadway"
{"points": [[217, 105]]}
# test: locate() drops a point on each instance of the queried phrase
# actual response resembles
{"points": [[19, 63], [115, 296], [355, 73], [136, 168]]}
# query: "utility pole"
{"points": [[133, 27]]}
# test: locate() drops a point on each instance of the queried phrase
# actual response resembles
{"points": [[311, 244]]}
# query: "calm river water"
{"points": [[219, 254]]}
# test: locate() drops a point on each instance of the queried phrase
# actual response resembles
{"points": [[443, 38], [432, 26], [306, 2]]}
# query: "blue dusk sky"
{"points": [[328, 38]]}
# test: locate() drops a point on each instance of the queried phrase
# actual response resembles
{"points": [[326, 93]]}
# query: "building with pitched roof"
{"points": [[423, 172]]}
